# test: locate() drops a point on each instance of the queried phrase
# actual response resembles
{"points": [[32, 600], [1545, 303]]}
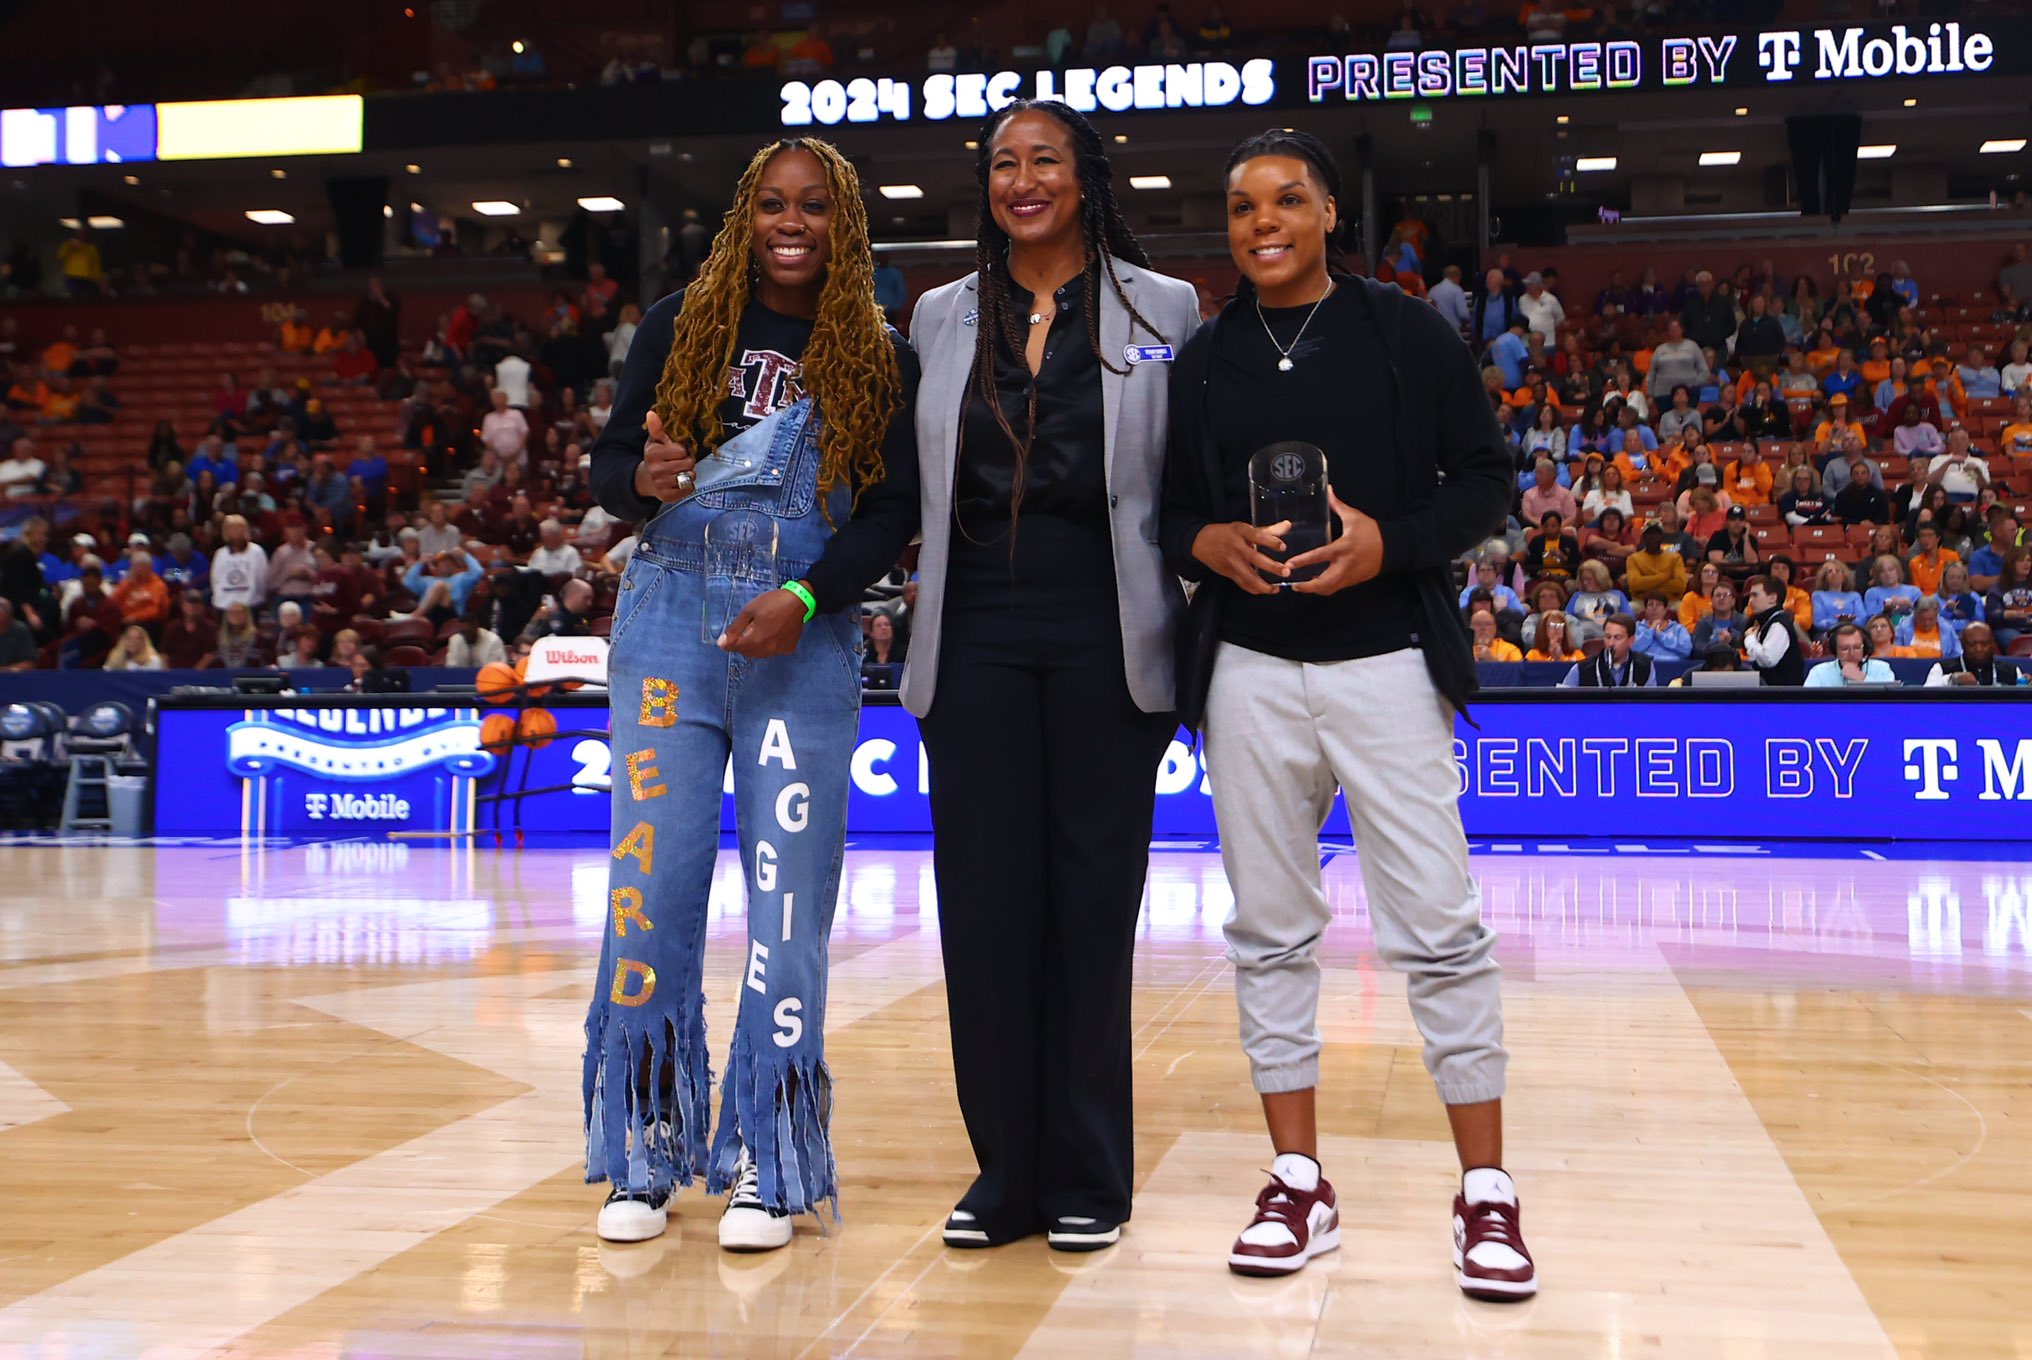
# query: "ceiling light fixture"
{"points": [[495, 207], [896, 191], [1562, 120], [1587, 164], [602, 203], [95, 223], [131, 181], [2002, 145], [1911, 103], [564, 162], [269, 217], [413, 168], [278, 173], [1149, 181], [1720, 157], [1882, 152], [1742, 112]]}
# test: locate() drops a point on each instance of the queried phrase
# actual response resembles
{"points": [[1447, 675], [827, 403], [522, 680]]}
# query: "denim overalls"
{"points": [[682, 708]]}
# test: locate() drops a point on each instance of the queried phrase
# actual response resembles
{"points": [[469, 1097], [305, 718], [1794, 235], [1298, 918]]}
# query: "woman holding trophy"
{"points": [[1332, 454], [762, 437]]}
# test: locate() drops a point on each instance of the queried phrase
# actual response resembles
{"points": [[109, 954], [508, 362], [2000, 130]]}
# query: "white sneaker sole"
{"points": [[753, 1230], [631, 1221], [1320, 1245], [1082, 1241], [1492, 1290]]}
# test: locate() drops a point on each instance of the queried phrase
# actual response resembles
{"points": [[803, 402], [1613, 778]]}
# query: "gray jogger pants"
{"points": [[1280, 734]]}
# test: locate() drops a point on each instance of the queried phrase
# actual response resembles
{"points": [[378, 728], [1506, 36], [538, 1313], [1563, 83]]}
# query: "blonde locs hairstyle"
{"points": [[849, 366]]}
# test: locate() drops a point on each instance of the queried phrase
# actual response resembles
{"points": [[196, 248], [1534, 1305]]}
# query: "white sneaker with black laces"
{"points": [[634, 1215], [749, 1224], [1081, 1234]]}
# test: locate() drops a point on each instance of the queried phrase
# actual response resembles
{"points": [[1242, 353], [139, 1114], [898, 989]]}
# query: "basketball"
{"points": [[536, 729], [521, 678], [497, 733], [498, 682]]}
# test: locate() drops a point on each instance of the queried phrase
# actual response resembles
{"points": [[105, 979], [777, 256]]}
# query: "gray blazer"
{"points": [[1137, 415]]}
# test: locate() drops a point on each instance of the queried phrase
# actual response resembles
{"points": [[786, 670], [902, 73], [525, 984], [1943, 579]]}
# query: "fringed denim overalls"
{"points": [[681, 709]]}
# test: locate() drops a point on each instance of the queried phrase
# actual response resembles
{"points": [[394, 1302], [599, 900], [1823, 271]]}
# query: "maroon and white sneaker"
{"points": [[1490, 1260], [1292, 1225]]}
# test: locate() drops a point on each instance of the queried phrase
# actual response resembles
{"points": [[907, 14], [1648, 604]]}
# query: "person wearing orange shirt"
{"points": [[29, 393], [297, 336], [1488, 646], [1929, 560], [1924, 635], [1748, 479], [1833, 432], [60, 358], [1698, 603], [1553, 641], [2016, 438], [143, 597], [333, 338], [1877, 367], [1884, 639], [60, 407]]}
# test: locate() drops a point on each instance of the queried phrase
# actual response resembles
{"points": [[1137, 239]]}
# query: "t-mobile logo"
{"points": [[1935, 764]]}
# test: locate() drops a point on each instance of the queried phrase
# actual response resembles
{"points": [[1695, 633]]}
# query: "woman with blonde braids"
{"points": [[762, 438]]}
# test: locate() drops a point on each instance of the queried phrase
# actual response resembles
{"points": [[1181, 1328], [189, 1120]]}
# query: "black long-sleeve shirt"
{"points": [[764, 379]]}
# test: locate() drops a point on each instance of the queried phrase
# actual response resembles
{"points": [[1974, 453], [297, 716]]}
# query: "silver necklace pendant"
{"points": [[1284, 364]]}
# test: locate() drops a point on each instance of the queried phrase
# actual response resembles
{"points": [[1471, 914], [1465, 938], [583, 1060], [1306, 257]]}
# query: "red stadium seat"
{"points": [[1762, 514], [1819, 536], [1771, 536], [414, 631], [406, 656]]}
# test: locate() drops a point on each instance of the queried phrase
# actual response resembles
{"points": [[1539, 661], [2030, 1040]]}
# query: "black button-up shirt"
{"points": [[1066, 471]]}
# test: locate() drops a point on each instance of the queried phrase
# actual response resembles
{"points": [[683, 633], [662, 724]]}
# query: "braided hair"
{"points": [[1301, 146], [849, 365], [1108, 238]]}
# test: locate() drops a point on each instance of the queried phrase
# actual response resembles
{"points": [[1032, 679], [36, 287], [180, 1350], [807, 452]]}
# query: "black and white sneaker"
{"points": [[749, 1224], [1082, 1234], [634, 1215], [963, 1230]]}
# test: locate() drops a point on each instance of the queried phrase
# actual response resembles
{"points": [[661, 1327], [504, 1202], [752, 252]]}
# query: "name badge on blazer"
{"points": [[971, 317], [1147, 354]]}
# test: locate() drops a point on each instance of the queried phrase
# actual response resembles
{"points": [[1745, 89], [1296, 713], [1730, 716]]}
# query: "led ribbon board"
{"points": [[1110, 89], [1777, 56], [219, 129]]}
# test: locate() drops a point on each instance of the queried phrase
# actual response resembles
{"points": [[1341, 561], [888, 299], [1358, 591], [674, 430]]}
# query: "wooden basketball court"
{"points": [[323, 1102]]}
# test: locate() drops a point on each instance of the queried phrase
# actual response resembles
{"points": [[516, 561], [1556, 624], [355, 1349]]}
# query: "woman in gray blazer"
{"points": [[1041, 667]]}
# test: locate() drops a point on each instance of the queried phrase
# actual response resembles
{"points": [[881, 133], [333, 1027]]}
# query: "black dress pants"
{"points": [[1043, 775]]}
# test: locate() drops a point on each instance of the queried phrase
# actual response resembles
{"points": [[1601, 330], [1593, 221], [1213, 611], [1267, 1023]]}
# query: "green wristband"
{"points": [[803, 592]]}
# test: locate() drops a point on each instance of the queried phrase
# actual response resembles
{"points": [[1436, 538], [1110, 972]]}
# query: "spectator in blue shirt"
{"points": [[1488, 576], [1510, 354], [1979, 377], [1846, 379], [442, 596], [1986, 563], [216, 457], [329, 492], [1849, 666], [368, 473], [1660, 636], [1889, 593], [182, 567], [1960, 605], [1835, 600]]}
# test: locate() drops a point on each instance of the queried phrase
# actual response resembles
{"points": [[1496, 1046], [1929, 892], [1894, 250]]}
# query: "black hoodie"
{"points": [[1453, 485]]}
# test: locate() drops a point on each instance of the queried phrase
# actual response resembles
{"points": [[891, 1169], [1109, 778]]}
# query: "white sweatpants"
{"points": [[1279, 736]]}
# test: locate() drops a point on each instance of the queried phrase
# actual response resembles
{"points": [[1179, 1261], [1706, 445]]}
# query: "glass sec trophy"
{"points": [[1288, 482], [740, 565]]}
